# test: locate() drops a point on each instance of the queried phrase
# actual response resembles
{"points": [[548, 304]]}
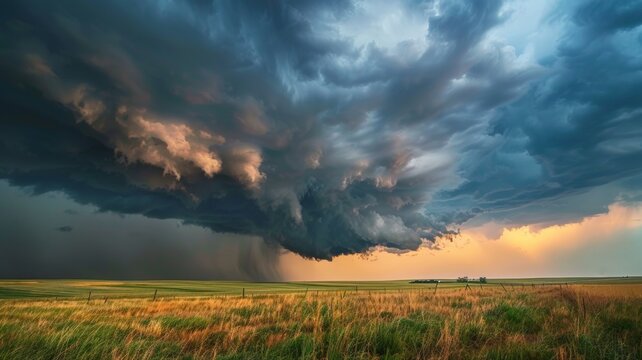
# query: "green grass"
{"points": [[515, 318], [19, 289], [592, 320]]}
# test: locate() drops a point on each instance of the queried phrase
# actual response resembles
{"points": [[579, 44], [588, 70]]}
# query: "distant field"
{"points": [[505, 319], [19, 289]]}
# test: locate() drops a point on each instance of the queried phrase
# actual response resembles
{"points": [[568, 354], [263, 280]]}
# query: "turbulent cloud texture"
{"points": [[324, 127]]}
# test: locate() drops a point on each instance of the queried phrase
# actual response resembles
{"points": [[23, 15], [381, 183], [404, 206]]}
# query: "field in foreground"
{"points": [[591, 321]]}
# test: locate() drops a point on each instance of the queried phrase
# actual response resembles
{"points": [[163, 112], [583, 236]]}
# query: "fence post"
{"points": [[243, 293], [435, 292], [155, 292], [89, 297]]}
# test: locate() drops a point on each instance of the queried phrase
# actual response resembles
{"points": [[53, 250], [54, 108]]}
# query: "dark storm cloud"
{"points": [[273, 119], [65, 228], [575, 130], [107, 245]]}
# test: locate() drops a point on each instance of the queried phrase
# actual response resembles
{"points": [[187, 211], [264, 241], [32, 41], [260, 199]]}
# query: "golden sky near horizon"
{"points": [[526, 251]]}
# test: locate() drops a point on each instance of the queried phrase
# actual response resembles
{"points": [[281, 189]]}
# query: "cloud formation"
{"points": [[286, 121], [602, 245], [107, 245], [576, 129]]}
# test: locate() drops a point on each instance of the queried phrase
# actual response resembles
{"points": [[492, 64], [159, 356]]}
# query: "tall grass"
{"points": [[563, 322]]}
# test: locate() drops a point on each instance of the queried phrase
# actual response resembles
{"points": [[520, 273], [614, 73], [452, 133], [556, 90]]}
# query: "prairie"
{"points": [[592, 319]]}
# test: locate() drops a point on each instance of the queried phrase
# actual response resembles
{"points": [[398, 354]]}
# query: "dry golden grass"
{"points": [[611, 291], [563, 322]]}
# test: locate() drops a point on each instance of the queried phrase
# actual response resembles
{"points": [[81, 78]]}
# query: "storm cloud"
{"points": [[325, 128], [108, 245]]}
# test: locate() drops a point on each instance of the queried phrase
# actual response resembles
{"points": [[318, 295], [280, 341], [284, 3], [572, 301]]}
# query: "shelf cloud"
{"points": [[281, 121]]}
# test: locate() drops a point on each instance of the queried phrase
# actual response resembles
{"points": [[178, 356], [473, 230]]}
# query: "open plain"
{"points": [[588, 318]]}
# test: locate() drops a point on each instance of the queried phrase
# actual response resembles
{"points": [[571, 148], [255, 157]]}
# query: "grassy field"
{"points": [[81, 288], [506, 319], [18, 289]]}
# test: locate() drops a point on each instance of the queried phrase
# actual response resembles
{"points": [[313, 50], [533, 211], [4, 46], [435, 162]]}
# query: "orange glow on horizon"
{"points": [[525, 251]]}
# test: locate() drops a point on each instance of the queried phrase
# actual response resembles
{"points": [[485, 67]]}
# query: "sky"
{"points": [[320, 140]]}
